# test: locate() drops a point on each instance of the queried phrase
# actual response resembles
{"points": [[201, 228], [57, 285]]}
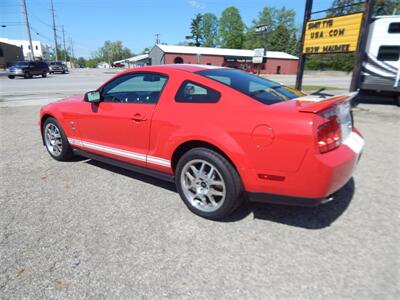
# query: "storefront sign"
{"points": [[333, 35]]}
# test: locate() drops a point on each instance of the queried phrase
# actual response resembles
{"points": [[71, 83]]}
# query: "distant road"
{"points": [[38, 90]]}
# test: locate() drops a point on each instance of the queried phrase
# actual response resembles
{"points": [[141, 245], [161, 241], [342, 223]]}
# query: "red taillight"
{"points": [[329, 135]]}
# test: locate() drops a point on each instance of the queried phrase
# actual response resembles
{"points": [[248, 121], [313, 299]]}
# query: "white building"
{"points": [[135, 61], [103, 65], [40, 49]]}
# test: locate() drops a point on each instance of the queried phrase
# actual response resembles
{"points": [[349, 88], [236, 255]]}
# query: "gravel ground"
{"points": [[85, 230]]}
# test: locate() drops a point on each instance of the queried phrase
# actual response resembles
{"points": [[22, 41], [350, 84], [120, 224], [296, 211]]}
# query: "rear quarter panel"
{"points": [[232, 125]]}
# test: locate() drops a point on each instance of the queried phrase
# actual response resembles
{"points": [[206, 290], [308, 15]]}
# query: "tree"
{"points": [[209, 29], [112, 51], [81, 61], [62, 55], [387, 7], [196, 31], [92, 63], [344, 7], [382, 7], [281, 34], [231, 29]]}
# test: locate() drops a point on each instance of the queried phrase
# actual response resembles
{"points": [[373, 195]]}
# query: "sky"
{"points": [[135, 22]]}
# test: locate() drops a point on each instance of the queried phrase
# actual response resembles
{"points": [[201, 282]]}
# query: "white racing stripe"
{"points": [[354, 142], [128, 154]]}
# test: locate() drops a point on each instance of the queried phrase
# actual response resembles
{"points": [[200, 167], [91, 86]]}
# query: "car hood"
{"points": [[73, 98]]}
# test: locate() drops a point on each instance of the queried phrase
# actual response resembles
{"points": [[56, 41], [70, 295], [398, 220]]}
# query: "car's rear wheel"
{"points": [[27, 75], [208, 183], [44, 74], [55, 140], [11, 76]]}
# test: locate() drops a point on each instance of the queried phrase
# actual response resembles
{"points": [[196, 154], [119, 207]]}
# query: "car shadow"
{"points": [[147, 179], [305, 217]]}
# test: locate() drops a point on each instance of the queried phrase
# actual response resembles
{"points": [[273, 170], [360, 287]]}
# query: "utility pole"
{"points": [[157, 38], [362, 42], [71, 43], [28, 29], [54, 29], [302, 61], [65, 51]]}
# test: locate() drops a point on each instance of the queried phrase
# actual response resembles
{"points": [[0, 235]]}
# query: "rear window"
{"points": [[260, 89], [191, 92]]}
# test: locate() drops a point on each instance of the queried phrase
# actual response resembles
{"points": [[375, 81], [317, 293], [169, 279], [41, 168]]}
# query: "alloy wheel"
{"points": [[53, 140], [203, 185]]}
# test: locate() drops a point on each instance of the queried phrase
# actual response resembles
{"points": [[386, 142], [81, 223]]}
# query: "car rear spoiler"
{"points": [[313, 104]]}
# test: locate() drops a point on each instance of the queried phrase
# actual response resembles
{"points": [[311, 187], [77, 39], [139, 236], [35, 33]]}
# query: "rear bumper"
{"points": [[288, 200], [319, 176]]}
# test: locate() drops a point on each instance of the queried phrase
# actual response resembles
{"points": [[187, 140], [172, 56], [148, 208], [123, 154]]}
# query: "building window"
{"points": [[191, 92], [1, 52], [36, 47], [394, 28], [178, 60], [389, 53], [29, 47]]}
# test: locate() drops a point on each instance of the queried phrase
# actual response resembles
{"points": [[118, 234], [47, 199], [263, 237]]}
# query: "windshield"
{"points": [[20, 64], [56, 63], [260, 89]]}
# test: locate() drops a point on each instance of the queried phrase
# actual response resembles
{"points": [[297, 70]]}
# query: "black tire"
{"points": [[11, 76], [66, 153], [397, 100], [233, 184], [27, 75], [44, 74], [63, 71]]}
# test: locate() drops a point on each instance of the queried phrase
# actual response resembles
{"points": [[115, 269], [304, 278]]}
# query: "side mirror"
{"points": [[93, 97]]}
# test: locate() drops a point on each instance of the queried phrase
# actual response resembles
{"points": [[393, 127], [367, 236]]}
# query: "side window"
{"points": [[191, 92], [144, 88], [389, 53], [394, 28]]}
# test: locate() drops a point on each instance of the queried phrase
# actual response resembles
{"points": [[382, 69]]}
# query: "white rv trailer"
{"points": [[381, 68]]}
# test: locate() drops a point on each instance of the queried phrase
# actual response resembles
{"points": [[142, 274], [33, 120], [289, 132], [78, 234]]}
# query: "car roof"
{"points": [[182, 67]]}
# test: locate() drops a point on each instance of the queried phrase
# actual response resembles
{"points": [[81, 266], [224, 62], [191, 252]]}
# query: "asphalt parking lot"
{"points": [[82, 229]]}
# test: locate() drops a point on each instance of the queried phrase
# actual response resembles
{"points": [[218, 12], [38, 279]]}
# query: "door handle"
{"points": [[139, 118]]}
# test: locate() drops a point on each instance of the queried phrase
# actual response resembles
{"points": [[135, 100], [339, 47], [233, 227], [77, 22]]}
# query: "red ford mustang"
{"points": [[219, 134]]}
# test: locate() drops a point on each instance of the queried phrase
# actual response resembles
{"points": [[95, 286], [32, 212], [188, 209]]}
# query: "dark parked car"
{"points": [[27, 69], [58, 67]]}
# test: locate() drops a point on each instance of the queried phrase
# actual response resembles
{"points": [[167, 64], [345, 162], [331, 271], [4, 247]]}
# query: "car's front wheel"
{"points": [[55, 140], [44, 74], [208, 183], [11, 76]]}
